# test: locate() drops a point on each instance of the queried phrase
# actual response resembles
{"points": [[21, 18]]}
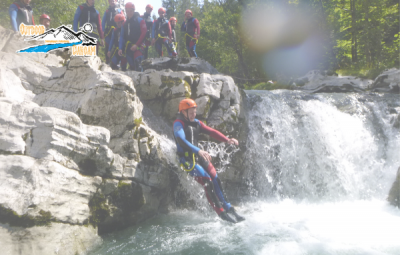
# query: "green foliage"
{"points": [[358, 36], [138, 121], [61, 12]]}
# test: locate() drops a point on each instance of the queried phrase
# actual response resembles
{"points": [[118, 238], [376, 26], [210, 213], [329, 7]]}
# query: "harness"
{"points": [[191, 129], [161, 27], [190, 29], [131, 31], [117, 32], [89, 15], [110, 23], [149, 24], [24, 15]]}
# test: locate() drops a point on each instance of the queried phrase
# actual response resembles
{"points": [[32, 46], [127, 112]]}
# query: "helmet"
{"points": [[129, 6], [188, 11], [172, 18], [186, 104], [149, 6], [44, 16], [161, 10], [119, 17]]}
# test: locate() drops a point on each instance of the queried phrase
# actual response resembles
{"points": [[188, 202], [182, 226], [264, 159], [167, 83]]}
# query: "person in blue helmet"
{"points": [[131, 42], [198, 162], [114, 44], [86, 13], [108, 24], [191, 27], [20, 12]]}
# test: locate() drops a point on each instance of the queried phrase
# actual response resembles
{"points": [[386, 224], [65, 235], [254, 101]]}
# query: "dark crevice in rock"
{"points": [[88, 167]]}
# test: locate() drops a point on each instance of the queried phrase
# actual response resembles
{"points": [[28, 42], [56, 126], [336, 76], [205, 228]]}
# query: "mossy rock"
{"points": [[168, 81], [99, 209], [128, 197], [9, 216]]}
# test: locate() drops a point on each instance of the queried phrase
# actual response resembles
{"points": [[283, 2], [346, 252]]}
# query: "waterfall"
{"points": [[321, 147], [317, 169]]}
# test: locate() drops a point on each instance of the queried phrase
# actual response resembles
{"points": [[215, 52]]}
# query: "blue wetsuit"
{"points": [[108, 25], [186, 134], [20, 13]]}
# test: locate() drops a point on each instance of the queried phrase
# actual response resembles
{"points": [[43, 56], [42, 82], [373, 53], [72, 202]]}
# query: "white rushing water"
{"points": [[319, 171]]}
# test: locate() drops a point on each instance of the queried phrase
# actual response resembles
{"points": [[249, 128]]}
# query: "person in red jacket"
{"points": [[197, 162], [132, 36], [161, 34], [191, 27]]}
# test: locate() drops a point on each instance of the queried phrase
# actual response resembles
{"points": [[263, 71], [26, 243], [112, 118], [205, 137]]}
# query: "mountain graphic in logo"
{"points": [[61, 37]]}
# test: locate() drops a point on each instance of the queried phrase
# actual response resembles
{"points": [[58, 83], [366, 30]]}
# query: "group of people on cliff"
{"points": [[125, 36]]}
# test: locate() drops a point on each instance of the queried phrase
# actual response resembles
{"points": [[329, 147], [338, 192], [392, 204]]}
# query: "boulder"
{"points": [[195, 65], [40, 191], [387, 82], [317, 81], [56, 238], [394, 193]]}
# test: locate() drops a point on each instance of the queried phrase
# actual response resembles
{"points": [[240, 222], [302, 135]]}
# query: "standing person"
{"points": [[174, 42], [149, 24], [161, 33], [114, 44], [132, 36], [191, 27], [86, 13], [108, 24], [198, 162], [45, 21], [20, 12]]}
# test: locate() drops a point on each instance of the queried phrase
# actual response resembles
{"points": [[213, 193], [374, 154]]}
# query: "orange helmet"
{"points": [[129, 6], [161, 10], [149, 6], [119, 17], [188, 11], [172, 18], [186, 104], [44, 16]]}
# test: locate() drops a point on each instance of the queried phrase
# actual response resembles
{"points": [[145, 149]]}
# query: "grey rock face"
{"points": [[195, 65], [394, 193], [319, 82], [388, 82]]}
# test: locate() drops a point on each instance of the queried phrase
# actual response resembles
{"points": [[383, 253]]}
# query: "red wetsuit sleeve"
{"points": [[197, 24], [143, 31], [169, 30], [213, 133], [99, 27]]}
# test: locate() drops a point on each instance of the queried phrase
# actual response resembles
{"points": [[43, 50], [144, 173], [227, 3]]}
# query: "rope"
{"points": [[111, 28], [187, 163], [191, 37]]}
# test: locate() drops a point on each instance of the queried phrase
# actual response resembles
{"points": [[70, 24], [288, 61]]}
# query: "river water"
{"points": [[320, 167]]}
